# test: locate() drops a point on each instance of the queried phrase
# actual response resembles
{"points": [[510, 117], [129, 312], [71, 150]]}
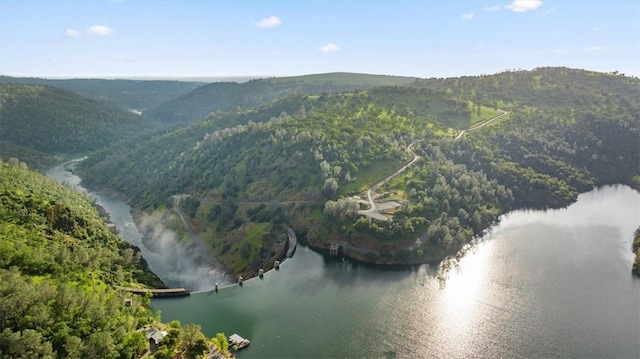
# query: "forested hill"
{"points": [[127, 94], [542, 87], [59, 268], [51, 120], [280, 151], [58, 263], [231, 96], [315, 152]]}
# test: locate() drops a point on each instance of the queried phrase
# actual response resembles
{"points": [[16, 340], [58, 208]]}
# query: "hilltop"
{"points": [[304, 151], [300, 161], [138, 95], [42, 120], [232, 96]]}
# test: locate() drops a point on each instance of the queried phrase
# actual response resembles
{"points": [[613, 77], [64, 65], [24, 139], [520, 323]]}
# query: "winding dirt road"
{"points": [[373, 210], [482, 124]]}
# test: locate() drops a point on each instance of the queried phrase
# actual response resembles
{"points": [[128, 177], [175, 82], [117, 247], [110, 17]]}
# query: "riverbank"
{"points": [[386, 255], [170, 261], [533, 278], [171, 253], [402, 253]]}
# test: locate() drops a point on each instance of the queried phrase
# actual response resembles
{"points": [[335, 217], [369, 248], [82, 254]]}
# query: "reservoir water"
{"points": [[553, 283]]}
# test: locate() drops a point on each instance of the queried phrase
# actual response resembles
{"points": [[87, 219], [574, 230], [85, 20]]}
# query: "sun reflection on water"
{"points": [[461, 310]]}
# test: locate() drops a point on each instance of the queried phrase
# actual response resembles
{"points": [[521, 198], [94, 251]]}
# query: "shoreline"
{"points": [[355, 253]]}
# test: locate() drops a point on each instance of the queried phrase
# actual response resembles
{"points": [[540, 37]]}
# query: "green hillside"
{"points": [[51, 120], [58, 262], [127, 94], [301, 160], [231, 96], [279, 147], [556, 87], [59, 265], [290, 151]]}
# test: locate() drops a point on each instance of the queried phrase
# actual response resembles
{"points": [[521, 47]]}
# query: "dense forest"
{"points": [[59, 264], [48, 120], [232, 96], [302, 152], [137, 95], [250, 177], [300, 160]]}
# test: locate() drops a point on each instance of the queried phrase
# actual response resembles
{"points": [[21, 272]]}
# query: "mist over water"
{"points": [[184, 265], [176, 263], [540, 284]]}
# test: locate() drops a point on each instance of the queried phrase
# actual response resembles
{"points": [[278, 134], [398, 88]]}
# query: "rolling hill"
{"points": [[137, 95], [289, 151], [48, 120], [300, 160], [231, 96], [59, 270]]}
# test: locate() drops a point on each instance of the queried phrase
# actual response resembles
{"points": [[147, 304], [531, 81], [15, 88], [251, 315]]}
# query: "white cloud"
{"points": [[271, 21], [467, 16], [99, 30], [492, 8], [596, 29], [594, 48], [330, 47], [524, 5], [71, 33]]}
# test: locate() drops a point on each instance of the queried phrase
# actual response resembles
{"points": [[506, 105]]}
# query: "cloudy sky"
{"points": [[125, 38]]}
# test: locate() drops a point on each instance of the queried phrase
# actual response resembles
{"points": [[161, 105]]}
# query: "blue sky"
{"points": [[269, 38]]}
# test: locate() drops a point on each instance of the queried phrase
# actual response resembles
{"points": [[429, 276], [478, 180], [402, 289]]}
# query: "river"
{"points": [[553, 283], [169, 259]]}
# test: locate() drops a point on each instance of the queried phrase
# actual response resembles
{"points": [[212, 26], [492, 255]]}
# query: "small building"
{"points": [[154, 336], [238, 341]]}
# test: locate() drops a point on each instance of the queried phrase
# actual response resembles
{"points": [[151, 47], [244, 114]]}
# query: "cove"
{"points": [[553, 283]]}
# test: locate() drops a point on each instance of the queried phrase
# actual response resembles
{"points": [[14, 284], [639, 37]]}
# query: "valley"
{"points": [[366, 171], [399, 174], [319, 179]]}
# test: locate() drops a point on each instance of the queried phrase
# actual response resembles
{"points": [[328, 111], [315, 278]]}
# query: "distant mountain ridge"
{"points": [[231, 96], [307, 160], [127, 94], [544, 87], [52, 120]]}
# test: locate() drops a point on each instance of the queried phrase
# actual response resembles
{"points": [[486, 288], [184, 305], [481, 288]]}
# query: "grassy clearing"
{"points": [[248, 248], [485, 113], [500, 120], [369, 175]]}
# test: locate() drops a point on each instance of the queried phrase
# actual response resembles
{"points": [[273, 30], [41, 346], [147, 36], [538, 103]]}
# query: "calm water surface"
{"points": [[551, 283]]}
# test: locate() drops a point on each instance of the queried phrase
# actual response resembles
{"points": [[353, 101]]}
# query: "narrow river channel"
{"points": [[169, 260], [553, 283]]}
